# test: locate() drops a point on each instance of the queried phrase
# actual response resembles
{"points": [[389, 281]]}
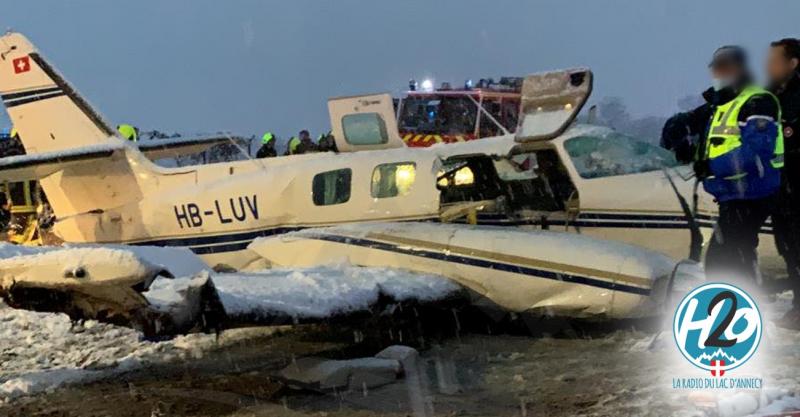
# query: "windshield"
{"points": [[438, 115], [611, 154]]}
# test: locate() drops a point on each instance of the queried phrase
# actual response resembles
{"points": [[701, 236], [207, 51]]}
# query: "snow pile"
{"points": [[41, 351], [317, 292]]}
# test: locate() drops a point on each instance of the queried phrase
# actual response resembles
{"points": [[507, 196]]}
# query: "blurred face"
{"points": [[779, 67], [725, 74], [725, 71]]}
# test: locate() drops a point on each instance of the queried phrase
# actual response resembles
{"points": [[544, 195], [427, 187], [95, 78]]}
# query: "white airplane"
{"points": [[104, 190]]}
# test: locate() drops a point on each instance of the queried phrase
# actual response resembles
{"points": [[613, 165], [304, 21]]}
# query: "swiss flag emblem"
{"points": [[21, 65], [716, 368]]}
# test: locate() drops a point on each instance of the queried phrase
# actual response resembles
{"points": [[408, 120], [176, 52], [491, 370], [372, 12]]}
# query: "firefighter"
{"points": [[739, 160], [306, 145], [783, 73], [292, 146], [267, 149], [325, 143], [128, 132]]}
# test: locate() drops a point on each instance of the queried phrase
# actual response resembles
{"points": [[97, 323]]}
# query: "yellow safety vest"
{"points": [[724, 135]]}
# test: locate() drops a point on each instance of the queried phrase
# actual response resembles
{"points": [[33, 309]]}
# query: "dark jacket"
{"points": [[266, 151], [306, 147], [789, 96]]}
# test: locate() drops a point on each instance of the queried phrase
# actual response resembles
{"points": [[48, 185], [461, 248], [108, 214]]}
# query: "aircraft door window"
{"points": [[332, 187], [392, 180], [364, 129]]}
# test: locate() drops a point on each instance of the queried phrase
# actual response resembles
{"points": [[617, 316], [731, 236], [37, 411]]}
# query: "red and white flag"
{"points": [[21, 65], [716, 367]]}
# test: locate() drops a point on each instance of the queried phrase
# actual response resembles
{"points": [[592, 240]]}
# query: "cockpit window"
{"points": [[616, 154]]}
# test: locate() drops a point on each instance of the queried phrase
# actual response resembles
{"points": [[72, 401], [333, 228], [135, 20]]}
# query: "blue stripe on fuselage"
{"points": [[483, 263]]}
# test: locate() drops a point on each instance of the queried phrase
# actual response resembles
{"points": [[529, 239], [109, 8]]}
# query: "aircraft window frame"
{"points": [[643, 156], [398, 191], [359, 138], [345, 175]]}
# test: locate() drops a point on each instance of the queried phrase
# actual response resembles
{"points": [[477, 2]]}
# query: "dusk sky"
{"points": [[249, 66]]}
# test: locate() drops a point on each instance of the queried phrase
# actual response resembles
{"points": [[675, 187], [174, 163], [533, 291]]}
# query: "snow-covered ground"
{"points": [[40, 351]]}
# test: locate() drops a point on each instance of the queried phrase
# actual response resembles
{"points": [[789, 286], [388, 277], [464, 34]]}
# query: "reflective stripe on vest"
{"points": [[724, 135]]}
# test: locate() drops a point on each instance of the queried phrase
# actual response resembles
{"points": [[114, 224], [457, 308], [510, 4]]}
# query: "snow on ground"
{"points": [[40, 351], [310, 292]]}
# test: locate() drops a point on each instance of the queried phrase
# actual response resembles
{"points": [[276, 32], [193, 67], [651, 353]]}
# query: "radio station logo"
{"points": [[717, 327]]}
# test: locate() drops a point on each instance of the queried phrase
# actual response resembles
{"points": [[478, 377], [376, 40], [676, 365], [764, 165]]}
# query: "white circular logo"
{"points": [[717, 327]]}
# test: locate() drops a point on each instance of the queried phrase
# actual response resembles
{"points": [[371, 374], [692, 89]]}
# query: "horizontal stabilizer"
{"points": [[41, 165], [156, 149]]}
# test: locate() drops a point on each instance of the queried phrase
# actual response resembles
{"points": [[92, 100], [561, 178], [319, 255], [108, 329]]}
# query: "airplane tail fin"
{"points": [[47, 112], [53, 120]]}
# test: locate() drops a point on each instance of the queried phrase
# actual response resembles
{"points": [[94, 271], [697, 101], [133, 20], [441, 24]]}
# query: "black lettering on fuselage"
{"points": [[253, 206], [238, 215], [181, 216], [241, 208], [194, 214], [222, 218]]}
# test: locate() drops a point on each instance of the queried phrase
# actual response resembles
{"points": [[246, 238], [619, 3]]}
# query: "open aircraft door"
{"points": [[550, 103], [364, 123]]}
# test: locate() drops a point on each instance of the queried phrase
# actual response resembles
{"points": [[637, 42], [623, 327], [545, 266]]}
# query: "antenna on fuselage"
{"points": [[244, 151]]}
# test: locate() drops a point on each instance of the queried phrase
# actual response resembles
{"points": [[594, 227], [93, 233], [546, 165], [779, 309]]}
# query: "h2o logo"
{"points": [[717, 327]]}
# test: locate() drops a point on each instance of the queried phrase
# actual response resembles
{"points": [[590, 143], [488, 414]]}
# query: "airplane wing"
{"points": [[169, 148], [40, 165], [306, 295]]}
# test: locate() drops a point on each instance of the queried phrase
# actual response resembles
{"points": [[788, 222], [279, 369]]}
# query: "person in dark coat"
{"points": [[783, 72], [738, 157], [267, 149]]}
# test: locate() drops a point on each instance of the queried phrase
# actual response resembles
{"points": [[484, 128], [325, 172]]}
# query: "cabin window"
{"points": [[364, 129], [392, 180], [611, 153], [332, 187]]}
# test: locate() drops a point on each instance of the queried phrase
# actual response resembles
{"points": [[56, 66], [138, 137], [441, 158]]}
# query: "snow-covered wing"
{"points": [[41, 165], [307, 294], [551, 101], [169, 148]]}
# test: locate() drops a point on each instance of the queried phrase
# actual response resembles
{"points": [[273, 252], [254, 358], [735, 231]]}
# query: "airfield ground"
{"points": [[465, 374]]}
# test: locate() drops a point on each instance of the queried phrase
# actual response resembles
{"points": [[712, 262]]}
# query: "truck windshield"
{"points": [[438, 115], [610, 154]]}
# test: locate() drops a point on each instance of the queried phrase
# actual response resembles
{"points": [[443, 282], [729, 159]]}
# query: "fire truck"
{"points": [[427, 116]]}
